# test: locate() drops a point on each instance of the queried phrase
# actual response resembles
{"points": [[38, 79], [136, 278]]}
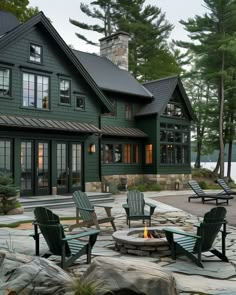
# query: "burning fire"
{"points": [[145, 232]]}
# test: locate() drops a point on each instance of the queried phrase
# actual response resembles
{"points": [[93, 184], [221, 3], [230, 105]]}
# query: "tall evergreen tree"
{"points": [[19, 8], [148, 30], [212, 38]]}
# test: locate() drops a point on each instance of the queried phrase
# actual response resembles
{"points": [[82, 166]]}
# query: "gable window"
{"points": [[174, 108], [35, 91], [148, 154], [4, 82], [80, 102], [128, 111], [35, 53], [65, 91]]}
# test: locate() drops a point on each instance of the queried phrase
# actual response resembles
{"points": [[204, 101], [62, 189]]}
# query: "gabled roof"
{"points": [[47, 124], [110, 77], [8, 22], [41, 18], [162, 91]]}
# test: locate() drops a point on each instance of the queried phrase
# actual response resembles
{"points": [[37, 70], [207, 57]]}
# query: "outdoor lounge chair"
{"points": [[86, 212], [192, 245], [199, 193], [135, 207], [225, 187], [69, 247]]}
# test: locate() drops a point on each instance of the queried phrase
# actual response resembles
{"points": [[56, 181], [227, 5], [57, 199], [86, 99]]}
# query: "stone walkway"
{"points": [[217, 277]]}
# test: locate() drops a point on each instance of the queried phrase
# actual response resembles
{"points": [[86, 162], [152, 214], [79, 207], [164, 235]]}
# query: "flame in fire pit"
{"points": [[150, 234], [145, 232]]}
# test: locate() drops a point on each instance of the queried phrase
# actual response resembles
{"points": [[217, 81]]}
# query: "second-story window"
{"points": [[80, 102], [4, 82], [35, 91], [35, 53], [65, 91], [128, 111]]}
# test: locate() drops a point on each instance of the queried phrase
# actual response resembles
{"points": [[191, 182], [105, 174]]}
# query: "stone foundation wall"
{"points": [[93, 187], [166, 181]]}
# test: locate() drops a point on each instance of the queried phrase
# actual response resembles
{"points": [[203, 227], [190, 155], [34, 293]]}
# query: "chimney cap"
{"points": [[114, 35]]}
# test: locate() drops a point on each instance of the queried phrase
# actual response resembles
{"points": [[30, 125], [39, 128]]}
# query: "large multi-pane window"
{"points": [[35, 91], [148, 154], [5, 156], [127, 153], [35, 53], [4, 82], [65, 91], [174, 144]]}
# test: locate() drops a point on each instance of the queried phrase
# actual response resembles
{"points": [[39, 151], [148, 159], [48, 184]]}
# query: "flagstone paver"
{"points": [[217, 278]]}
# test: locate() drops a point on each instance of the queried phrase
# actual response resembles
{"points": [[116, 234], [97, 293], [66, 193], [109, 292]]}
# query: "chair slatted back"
{"points": [[82, 203], [51, 229], [196, 188], [224, 186], [136, 203], [210, 227]]}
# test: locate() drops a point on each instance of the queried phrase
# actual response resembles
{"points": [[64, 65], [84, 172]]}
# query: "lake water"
{"points": [[211, 166]]}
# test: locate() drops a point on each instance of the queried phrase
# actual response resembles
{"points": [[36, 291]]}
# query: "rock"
{"points": [[22, 274], [19, 210], [130, 277]]}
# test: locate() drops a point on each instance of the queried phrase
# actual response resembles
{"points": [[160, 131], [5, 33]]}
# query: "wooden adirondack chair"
{"points": [[135, 207], [225, 187], [199, 193], [86, 212], [68, 247], [192, 245]]}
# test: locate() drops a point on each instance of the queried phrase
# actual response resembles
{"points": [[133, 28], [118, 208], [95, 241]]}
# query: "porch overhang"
{"points": [[123, 132], [47, 124]]}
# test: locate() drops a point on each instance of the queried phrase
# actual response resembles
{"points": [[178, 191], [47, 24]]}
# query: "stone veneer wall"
{"points": [[93, 187], [166, 181]]}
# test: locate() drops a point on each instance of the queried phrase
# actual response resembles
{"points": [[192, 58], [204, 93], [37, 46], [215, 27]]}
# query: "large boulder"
{"points": [[22, 274], [124, 277]]}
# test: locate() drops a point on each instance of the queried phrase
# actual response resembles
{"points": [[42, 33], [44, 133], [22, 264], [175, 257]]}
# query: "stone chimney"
{"points": [[116, 48]]}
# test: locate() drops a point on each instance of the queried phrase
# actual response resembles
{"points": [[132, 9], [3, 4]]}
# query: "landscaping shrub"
{"points": [[203, 184]]}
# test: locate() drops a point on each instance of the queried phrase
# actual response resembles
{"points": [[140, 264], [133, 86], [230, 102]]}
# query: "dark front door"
{"points": [[69, 167], [35, 176]]}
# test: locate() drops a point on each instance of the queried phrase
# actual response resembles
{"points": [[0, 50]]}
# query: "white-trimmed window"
{"points": [[35, 54], [65, 91], [5, 82]]}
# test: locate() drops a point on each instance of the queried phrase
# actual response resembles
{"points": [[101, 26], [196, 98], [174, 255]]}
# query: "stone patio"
{"points": [[217, 277]]}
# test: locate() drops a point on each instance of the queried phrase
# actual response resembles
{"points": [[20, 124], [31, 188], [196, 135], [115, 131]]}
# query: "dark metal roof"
{"points": [[47, 124], [122, 131], [8, 22], [162, 90], [110, 77]]}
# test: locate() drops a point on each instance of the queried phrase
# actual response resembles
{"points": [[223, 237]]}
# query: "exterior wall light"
{"points": [[92, 148]]}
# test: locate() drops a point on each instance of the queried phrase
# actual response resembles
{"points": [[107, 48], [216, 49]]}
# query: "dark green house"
{"points": [[71, 120]]}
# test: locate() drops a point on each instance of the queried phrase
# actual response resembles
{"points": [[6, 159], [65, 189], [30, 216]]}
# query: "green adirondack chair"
{"points": [[86, 215], [192, 245], [69, 247], [136, 207]]}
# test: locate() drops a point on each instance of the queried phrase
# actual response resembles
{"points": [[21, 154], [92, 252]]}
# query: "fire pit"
{"points": [[149, 241]]}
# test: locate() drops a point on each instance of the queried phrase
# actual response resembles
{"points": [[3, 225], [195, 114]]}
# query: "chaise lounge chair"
{"points": [[200, 194], [69, 247], [192, 245], [225, 187]]}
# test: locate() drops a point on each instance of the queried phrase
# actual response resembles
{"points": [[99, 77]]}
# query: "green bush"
{"points": [[203, 184]]}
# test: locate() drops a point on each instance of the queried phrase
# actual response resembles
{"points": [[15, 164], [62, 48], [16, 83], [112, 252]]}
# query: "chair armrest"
{"points": [[125, 206], [81, 235], [86, 209], [103, 206], [150, 205], [179, 232]]}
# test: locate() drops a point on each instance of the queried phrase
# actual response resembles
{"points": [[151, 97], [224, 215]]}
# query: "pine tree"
{"points": [[19, 8], [213, 38]]}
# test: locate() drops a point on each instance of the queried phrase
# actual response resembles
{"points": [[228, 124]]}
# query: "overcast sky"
{"points": [[59, 12]]}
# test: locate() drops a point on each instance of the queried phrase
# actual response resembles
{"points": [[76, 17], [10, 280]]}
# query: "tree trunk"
{"points": [[217, 165], [221, 113], [229, 159]]}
